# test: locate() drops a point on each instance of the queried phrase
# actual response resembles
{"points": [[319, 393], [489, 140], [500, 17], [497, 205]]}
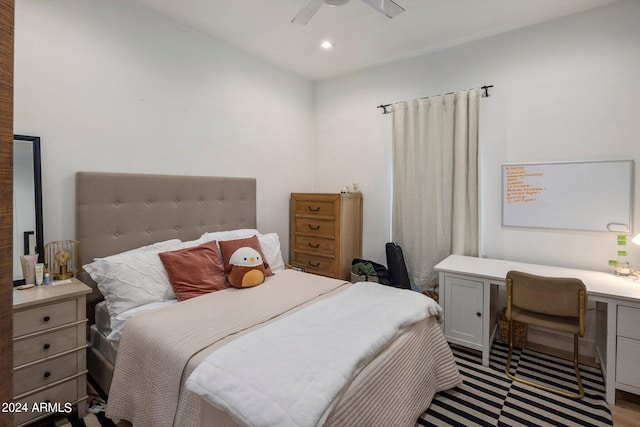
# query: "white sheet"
{"points": [[118, 322], [290, 373], [103, 318]]}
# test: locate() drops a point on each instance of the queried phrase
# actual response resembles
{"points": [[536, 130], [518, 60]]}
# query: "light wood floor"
{"points": [[626, 411]]}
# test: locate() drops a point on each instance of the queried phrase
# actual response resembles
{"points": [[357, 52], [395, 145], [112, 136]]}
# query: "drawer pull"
{"points": [[316, 209], [314, 227], [46, 318], [317, 264], [47, 374], [316, 246], [47, 346], [479, 314]]}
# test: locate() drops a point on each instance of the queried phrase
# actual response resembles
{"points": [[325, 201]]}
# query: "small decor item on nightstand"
{"points": [[63, 258], [29, 268]]}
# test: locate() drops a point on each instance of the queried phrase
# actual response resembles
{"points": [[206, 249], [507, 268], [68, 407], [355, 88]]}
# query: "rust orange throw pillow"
{"points": [[228, 247], [195, 271]]}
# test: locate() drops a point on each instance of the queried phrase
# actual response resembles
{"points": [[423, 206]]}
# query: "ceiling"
{"points": [[362, 37]]}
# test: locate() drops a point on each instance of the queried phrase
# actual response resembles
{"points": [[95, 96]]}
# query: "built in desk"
{"points": [[469, 296]]}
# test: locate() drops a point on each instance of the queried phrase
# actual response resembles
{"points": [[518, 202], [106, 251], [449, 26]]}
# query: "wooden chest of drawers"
{"points": [[49, 350], [325, 232]]}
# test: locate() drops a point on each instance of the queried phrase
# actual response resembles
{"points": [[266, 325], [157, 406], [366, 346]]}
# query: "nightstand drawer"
{"points": [[61, 394], [316, 227], [44, 345], [323, 208], [315, 264], [44, 317], [44, 373], [317, 245]]}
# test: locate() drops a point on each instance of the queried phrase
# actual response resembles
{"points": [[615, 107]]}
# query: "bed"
{"points": [[146, 375]]}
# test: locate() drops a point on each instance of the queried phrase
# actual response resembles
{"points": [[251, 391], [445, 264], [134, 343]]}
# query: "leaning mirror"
{"points": [[27, 202]]}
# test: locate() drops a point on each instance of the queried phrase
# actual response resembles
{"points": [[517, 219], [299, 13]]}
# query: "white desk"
{"points": [[468, 295]]}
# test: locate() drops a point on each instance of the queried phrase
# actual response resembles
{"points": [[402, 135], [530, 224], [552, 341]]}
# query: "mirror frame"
{"points": [[37, 184]]}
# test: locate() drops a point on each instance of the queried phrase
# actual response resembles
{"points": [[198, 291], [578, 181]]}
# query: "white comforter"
{"points": [[290, 372]]}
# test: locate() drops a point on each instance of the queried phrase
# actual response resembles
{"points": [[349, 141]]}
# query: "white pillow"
{"points": [[133, 278], [226, 235], [270, 245]]}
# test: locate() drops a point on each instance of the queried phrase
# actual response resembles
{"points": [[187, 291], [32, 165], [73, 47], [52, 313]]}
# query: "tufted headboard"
{"points": [[116, 212]]}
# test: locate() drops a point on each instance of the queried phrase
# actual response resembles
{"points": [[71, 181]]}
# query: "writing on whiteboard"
{"points": [[522, 184], [589, 195]]}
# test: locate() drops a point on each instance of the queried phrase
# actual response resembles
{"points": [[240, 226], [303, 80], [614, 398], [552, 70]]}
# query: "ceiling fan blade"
{"points": [[387, 7], [307, 12]]}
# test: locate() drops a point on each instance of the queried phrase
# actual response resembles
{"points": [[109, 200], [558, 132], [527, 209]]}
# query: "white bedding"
{"points": [[118, 322], [106, 333], [290, 372], [100, 343], [103, 318]]}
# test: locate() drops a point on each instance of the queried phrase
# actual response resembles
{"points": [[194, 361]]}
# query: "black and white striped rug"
{"points": [[488, 397]]}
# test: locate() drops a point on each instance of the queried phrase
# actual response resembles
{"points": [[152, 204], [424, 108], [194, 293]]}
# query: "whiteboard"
{"points": [[589, 196]]}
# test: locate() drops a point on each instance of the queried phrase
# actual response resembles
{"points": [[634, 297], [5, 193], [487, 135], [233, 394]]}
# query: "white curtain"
{"points": [[435, 180]]}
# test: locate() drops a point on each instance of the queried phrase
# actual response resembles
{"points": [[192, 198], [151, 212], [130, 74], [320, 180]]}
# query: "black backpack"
{"points": [[396, 266]]}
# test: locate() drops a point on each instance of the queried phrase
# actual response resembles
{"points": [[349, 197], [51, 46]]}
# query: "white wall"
{"points": [[111, 87], [563, 90]]}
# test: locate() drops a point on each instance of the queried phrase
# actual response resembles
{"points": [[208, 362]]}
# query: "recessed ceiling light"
{"points": [[326, 44]]}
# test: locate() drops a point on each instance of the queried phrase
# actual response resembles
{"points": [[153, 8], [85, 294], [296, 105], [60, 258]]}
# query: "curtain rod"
{"points": [[485, 95]]}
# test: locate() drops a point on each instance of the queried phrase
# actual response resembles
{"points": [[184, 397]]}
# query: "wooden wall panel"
{"points": [[6, 205]]}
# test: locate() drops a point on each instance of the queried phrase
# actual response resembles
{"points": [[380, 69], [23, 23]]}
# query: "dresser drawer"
{"points": [[44, 373], [44, 345], [317, 245], [315, 264], [325, 208], [43, 317], [61, 395], [315, 227]]}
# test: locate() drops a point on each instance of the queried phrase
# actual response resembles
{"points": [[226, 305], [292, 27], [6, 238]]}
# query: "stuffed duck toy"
{"points": [[246, 268]]}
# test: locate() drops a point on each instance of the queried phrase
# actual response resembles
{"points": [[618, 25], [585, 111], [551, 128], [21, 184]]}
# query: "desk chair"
{"points": [[548, 302]]}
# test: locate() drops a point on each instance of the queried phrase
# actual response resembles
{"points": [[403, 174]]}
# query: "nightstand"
{"points": [[49, 356]]}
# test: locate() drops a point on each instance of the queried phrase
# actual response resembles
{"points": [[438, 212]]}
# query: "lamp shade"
{"points": [[636, 239], [63, 258]]}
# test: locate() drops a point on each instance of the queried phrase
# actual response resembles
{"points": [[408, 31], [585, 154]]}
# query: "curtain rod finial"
{"points": [[384, 108]]}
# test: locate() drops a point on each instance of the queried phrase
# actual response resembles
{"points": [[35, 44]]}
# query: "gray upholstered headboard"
{"points": [[116, 212]]}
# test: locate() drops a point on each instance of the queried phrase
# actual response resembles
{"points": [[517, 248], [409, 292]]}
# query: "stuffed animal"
{"points": [[246, 268]]}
